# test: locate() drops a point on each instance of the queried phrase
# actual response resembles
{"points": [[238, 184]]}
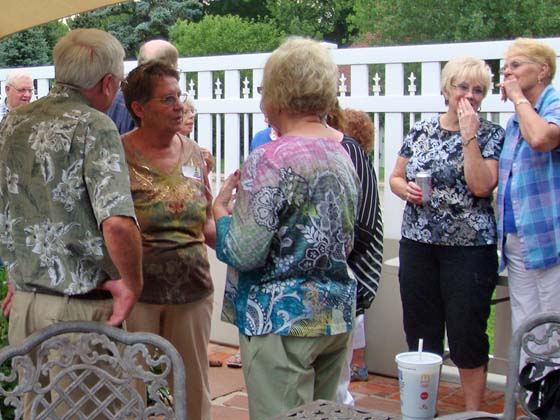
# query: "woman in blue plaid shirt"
{"points": [[529, 181]]}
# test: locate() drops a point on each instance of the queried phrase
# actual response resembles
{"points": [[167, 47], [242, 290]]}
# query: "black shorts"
{"points": [[448, 286]]}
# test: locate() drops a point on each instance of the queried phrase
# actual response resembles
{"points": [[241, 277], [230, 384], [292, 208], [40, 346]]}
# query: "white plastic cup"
{"points": [[418, 383]]}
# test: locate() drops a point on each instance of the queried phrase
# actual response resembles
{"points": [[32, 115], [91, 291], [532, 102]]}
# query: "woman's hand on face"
{"points": [[413, 193], [469, 121], [224, 202], [510, 89]]}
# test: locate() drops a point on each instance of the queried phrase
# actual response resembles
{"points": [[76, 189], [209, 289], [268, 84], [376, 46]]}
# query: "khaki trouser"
{"points": [[283, 372], [187, 327], [33, 311]]}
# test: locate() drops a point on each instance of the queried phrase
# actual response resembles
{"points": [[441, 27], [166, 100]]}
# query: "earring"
{"points": [[539, 80]]}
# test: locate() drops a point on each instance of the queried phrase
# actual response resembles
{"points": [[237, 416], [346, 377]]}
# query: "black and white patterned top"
{"points": [[453, 215], [366, 258]]}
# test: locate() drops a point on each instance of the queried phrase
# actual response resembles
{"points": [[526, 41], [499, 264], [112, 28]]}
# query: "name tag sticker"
{"points": [[191, 172]]}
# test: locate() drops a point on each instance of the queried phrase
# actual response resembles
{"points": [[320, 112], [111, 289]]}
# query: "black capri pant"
{"points": [[448, 287]]}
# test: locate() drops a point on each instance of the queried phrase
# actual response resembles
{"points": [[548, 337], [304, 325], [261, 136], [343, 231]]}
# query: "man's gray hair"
{"points": [[159, 50], [83, 56], [14, 75]]}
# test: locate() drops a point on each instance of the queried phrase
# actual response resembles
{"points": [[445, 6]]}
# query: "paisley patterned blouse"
{"points": [[289, 238], [453, 216], [171, 211]]}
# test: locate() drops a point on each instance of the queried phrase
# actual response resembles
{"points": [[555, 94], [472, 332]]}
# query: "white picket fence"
{"points": [[397, 85]]}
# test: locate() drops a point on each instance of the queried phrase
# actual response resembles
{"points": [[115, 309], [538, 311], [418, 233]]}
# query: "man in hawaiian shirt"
{"points": [[68, 233], [19, 90]]}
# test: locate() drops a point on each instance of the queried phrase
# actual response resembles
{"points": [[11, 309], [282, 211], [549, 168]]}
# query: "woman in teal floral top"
{"points": [[289, 238]]}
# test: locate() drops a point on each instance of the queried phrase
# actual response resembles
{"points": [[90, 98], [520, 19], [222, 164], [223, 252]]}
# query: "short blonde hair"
{"points": [[535, 51], [300, 77], [465, 68], [188, 103], [83, 56]]}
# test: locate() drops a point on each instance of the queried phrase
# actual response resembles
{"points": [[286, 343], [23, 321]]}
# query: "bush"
{"points": [[216, 35]]}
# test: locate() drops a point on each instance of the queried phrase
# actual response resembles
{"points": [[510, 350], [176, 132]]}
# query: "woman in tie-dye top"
{"points": [[289, 238], [172, 203]]}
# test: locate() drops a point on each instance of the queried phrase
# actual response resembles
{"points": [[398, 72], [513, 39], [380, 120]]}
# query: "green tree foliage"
{"points": [[26, 48], [136, 22], [215, 35], [381, 22], [53, 31], [32, 47], [248, 9], [320, 19]]}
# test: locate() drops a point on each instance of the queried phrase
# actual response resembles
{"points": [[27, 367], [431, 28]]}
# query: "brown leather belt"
{"points": [[95, 294]]}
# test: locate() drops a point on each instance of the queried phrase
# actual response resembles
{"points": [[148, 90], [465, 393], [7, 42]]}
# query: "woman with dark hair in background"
{"points": [[366, 258]]}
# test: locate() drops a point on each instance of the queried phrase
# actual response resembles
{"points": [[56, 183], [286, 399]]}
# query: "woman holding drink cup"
{"points": [[448, 259]]}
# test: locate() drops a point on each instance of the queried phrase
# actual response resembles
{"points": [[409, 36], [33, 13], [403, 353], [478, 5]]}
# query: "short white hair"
{"points": [[190, 103], [83, 56], [18, 74], [159, 50]]}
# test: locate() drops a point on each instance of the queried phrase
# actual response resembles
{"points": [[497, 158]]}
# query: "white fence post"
{"points": [[232, 126], [388, 108], [393, 205]]}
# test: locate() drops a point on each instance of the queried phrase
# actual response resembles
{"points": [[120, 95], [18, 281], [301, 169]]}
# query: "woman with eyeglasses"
{"points": [[172, 201], [529, 181], [187, 129], [448, 258]]}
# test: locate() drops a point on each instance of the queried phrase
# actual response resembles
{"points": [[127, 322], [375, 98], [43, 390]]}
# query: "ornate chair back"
{"points": [[89, 370]]}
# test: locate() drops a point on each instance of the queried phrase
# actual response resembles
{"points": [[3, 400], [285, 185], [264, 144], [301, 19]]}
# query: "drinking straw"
{"points": [[420, 346]]}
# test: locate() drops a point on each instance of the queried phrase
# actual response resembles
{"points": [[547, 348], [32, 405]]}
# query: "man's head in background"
{"points": [[159, 50], [19, 88]]}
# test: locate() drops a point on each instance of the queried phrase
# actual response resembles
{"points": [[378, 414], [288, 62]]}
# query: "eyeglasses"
{"points": [[23, 90], [464, 89], [514, 65], [172, 100]]}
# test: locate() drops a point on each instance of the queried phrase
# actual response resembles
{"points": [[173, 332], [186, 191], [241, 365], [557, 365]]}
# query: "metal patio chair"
{"points": [[539, 338], [89, 370]]}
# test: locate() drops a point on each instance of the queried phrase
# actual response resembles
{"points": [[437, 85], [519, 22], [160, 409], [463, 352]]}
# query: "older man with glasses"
{"points": [[19, 90]]}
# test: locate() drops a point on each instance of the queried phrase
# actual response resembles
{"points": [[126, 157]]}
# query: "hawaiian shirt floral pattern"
{"points": [[289, 238], [453, 216], [62, 172]]}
